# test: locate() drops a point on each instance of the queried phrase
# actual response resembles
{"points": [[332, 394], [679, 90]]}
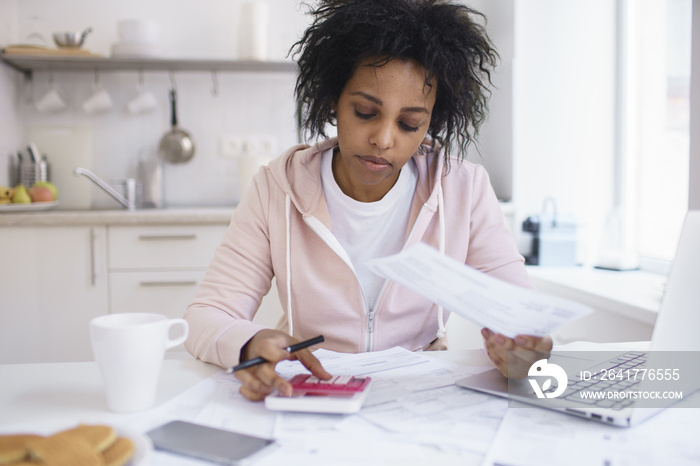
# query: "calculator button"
{"points": [[342, 379], [341, 385], [299, 378]]}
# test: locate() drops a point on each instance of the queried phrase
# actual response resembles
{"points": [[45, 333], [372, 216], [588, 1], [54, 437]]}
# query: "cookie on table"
{"points": [[119, 453], [83, 445], [13, 448], [60, 450], [99, 437]]}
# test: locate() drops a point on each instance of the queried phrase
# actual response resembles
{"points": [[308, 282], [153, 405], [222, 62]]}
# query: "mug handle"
{"points": [[178, 340]]}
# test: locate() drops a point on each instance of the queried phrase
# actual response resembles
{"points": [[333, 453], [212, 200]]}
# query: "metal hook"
{"points": [[28, 88], [173, 85], [214, 84]]}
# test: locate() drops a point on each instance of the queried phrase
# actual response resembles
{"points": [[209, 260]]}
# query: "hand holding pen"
{"points": [[258, 375], [290, 349]]}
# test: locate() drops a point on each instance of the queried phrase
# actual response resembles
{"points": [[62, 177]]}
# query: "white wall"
{"points": [[188, 29], [495, 148], [563, 110], [694, 182]]}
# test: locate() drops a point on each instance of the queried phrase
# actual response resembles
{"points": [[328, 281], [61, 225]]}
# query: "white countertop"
{"points": [[632, 294], [167, 216]]}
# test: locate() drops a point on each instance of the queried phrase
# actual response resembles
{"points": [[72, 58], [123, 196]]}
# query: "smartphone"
{"points": [[208, 443]]}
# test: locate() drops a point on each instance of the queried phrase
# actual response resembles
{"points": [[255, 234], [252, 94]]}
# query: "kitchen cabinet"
{"points": [[158, 268], [53, 281], [62, 268]]}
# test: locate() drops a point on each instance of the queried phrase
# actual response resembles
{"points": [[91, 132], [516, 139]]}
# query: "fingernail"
{"points": [[484, 333], [520, 341]]}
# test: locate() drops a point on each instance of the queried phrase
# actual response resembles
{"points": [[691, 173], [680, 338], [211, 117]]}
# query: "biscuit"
{"points": [[99, 437], [60, 450], [13, 448], [119, 453]]}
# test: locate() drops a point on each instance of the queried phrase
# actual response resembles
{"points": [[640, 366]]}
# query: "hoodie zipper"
{"points": [[332, 242], [370, 314]]}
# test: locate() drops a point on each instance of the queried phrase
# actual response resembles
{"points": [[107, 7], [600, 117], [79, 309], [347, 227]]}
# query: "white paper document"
{"points": [[484, 300], [414, 415], [533, 436]]}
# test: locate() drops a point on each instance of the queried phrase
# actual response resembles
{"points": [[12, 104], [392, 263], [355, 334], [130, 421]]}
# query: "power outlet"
{"points": [[231, 146], [267, 145]]}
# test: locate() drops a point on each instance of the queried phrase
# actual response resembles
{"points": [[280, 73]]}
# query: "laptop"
{"points": [[675, 331]]}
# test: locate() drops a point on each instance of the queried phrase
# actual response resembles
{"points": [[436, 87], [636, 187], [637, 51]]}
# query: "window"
{"points": [[653, 125]]}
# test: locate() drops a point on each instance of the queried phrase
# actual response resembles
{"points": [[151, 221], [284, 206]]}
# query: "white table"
{"points": [[44, 398], [47, 397]]}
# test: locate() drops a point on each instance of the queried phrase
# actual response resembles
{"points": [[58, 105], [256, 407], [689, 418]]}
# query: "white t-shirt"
{"points": [[367, 230]]}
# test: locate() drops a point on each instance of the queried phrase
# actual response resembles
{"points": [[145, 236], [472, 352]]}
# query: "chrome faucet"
{"points": [[128, 202]]}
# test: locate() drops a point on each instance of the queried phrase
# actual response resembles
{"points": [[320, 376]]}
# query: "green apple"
{"points": [[50, 185], [21, 195]]}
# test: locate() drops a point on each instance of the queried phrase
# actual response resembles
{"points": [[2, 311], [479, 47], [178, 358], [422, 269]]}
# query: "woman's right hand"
{"points": [[259, 381]]}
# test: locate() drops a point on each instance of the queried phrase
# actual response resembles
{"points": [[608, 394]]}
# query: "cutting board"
{"points": [[37, 50], [67, 147]]}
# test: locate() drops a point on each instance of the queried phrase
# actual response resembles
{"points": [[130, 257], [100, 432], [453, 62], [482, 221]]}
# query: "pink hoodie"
{"points": [[282, 229]]}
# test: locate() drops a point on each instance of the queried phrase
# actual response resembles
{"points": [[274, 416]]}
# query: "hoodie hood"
{"points": [[297, 170]]}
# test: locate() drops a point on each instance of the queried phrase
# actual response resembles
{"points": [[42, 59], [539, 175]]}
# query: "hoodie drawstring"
{"points": [[290, 323], [442, 331]]}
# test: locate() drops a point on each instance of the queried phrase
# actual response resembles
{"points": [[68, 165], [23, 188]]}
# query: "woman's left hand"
{"points": [[530, 349]]}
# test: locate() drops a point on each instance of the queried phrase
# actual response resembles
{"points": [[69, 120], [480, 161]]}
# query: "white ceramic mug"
{"points": [[144, 102], [99, 101], [51, 102], [129, 349]]}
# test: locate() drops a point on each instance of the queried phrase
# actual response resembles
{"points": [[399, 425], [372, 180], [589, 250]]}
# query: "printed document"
{"points": [[484, 300]]}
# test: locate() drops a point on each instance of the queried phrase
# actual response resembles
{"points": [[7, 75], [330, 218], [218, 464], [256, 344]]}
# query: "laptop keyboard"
{"points": [[621, 363]]}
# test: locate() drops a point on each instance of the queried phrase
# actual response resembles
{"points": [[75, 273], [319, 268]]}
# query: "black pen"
{"points": [[291, 348]]}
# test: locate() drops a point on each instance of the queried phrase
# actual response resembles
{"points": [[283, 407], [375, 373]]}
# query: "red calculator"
{"points": [[341, 394]]}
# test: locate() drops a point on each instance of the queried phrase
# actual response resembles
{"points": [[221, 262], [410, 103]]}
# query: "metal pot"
{"points": [[176, 146], [72, 40]]}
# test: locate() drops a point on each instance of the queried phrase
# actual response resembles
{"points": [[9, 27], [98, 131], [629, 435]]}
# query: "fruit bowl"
{"points": [[29, 207]]}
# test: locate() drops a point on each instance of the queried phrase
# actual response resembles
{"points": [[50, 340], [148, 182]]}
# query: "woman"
{"points": [[405, 82]]}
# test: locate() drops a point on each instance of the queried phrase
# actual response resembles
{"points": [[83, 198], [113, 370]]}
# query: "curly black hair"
{"points": [[439, 34]]}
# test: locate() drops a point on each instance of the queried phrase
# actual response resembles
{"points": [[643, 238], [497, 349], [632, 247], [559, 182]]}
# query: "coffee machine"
{"points": [[549, 239]]}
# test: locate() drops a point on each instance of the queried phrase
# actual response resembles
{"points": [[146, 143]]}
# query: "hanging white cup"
{"points": [[99, 102], [144, 102], [51, 102]]}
